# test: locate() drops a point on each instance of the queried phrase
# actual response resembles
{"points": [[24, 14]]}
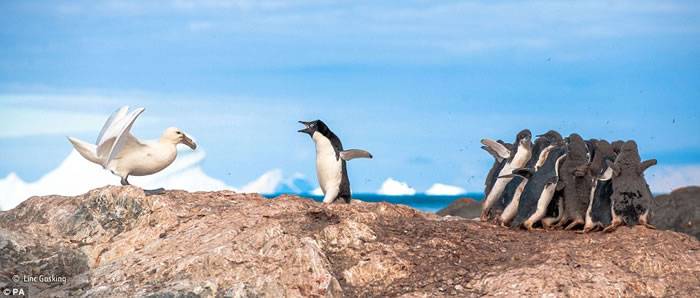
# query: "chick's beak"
{"points": [[187, 141]]}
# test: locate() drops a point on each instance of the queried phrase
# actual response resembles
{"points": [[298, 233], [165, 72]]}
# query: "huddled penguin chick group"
{"points": [[568, 183]]}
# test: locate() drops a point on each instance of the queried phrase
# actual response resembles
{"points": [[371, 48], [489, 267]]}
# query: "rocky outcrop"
{"points": [[115, 241], [678, 211], [465, 207]]}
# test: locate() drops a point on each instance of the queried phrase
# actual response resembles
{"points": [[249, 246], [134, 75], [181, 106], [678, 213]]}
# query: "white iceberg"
{"points": [[392, 187], [439, 189]]}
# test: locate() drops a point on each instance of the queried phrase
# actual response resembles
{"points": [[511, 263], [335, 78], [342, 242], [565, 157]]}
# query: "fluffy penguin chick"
{"points": [[576, 182], [631, 197]]}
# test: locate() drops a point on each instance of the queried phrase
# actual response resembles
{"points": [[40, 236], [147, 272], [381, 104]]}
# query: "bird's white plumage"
{"points": [[117, 135], [116, 116], [118, 151]]}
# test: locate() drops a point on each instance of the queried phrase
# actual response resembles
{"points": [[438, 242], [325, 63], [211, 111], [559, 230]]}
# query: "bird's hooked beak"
{"points": [[187, 141], [307, 128]]}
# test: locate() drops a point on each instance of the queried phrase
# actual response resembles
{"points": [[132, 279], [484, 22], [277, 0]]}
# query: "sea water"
{"points": [[422, 202]]}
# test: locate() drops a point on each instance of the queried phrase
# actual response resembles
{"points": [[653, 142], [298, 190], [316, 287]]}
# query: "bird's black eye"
{"points": [[178, 132]]}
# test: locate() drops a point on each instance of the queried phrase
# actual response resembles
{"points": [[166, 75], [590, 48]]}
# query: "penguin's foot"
{"points": [[589, 228], [504, 224], [573, 225], [154, 192], [499, 222], [560, 224], [643, 220], [648, 226], [124, 181], [586, 229], [612, 227], [484, 215], [548, 223]]}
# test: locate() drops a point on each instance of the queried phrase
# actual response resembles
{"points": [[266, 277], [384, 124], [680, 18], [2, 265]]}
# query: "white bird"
{"points": [[118, 151]]}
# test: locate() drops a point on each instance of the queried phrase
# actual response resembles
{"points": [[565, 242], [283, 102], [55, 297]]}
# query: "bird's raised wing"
{"points": [[496, 147], [354, 153], [116, 136], [115, 117]]}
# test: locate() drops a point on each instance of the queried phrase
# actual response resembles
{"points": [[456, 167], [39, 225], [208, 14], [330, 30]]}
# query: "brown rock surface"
{"points": [[114, 241], [465, 207], [678, 211]]}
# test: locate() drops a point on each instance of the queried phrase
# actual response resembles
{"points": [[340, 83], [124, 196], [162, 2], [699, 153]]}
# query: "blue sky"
{"points": [[417, 83]]}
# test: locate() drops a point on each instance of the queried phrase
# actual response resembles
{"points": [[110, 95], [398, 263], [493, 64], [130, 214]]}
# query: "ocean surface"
{"points": [[423, 202]]}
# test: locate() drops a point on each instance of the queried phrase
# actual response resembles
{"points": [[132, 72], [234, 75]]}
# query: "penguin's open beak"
{"points": [[187, 141], [306, 129]]}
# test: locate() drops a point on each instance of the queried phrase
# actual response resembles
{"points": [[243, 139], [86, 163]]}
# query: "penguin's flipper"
{"points": [[497, 147], [354, 153], [521, 172], [493, 153], [646, 164]]}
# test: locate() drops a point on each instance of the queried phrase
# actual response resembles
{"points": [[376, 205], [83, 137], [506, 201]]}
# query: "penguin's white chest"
{"points": [[328, 167]]}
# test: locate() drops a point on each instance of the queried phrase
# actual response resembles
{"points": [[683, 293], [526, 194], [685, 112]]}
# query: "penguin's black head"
{"points": [[553, 137], [523, 137], [630, 151], [314, 126], [630, 147], [617, 146], [604, 149], [628, 160], [577, 147]]}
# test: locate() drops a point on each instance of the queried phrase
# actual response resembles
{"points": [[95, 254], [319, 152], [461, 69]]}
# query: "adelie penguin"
{"points": [[491, 178], [542, 178], [517, 158], [631, 198], [598, 214], [330, 161], [575, 181], [514, 190]]}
